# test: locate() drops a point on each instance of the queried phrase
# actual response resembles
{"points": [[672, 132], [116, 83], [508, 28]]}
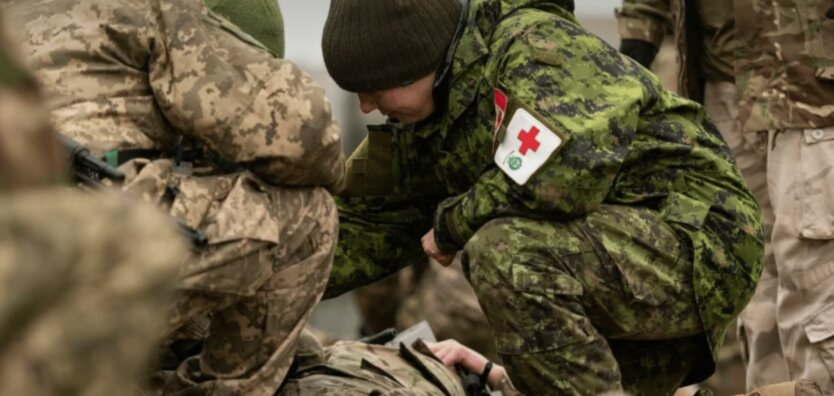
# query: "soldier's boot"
{"points": [[794, 388]]}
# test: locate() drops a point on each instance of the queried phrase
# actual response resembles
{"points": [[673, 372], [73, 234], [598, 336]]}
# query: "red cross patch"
{"points": [[526, 147]]}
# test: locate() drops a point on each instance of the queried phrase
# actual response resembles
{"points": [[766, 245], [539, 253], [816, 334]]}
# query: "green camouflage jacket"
{"points": [[625, 141], [785, 70], [705, 39]]}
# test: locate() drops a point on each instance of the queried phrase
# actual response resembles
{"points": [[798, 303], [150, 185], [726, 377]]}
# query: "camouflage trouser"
{"points": [[801, 184], [576, 306], [357, 369], [257, 284], [757, 323], [259, 301], [83, 281]]}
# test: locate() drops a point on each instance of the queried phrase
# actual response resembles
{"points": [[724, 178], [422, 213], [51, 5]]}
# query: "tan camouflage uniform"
{"points": [[785, 75], [82, 277], [706, 44], [129, 74], [357, 369]]}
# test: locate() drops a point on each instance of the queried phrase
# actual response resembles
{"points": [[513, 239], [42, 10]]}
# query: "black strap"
{"points": [[485, 375]]}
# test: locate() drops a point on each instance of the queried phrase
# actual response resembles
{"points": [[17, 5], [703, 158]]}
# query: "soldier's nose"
{"points": [[830, 13], [366, 104]]}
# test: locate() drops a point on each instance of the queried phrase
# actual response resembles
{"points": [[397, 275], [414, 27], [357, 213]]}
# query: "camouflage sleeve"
{"points": [[584, 90], [379, 228], [644, 20], [214, 81]]}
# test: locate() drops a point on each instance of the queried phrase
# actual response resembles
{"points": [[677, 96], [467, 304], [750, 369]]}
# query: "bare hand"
{"points": [[430, 247], [451, 352]]}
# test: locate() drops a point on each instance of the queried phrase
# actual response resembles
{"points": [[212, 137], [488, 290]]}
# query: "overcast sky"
{"points": [[304, 21]]}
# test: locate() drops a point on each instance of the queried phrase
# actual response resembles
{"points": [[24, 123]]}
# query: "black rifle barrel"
{"points": [[86, 164], [89, 171]]}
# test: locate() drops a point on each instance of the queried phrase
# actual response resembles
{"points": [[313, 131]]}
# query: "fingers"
{"points": [[431, 250]]}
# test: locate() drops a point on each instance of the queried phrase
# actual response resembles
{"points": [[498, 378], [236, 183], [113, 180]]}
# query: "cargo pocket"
{"points": [[820, 332], [816, 187], [541, 314]]}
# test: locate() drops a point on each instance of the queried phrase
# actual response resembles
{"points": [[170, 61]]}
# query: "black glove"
{"points": [[641, 51], [830, 13]]}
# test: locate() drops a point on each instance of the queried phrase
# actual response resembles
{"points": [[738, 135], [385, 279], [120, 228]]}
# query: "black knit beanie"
{"points": [[371, 45]]}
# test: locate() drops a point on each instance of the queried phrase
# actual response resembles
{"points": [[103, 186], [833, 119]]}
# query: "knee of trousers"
{"points": [[517, 254]]}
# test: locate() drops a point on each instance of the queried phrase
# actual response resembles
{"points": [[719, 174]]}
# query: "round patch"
{"points": [[515, 163]]}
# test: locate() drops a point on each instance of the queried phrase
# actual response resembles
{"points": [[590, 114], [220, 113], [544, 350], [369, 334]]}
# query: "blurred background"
{"points": [[304, 22]]}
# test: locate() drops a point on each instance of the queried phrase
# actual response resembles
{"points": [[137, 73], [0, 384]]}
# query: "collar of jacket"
{"points": [[460, 73]]}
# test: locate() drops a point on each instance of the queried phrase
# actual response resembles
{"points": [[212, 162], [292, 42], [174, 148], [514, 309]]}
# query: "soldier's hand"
{"points": [[641, 51], [430, 247], [451, 352]]}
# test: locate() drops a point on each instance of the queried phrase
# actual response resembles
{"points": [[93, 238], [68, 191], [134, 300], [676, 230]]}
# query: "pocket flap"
{"points": [[681, 209], [821, 326]]}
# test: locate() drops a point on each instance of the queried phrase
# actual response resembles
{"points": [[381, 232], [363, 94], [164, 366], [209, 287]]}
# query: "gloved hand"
{"points": [[830, 13], [641, 51]]}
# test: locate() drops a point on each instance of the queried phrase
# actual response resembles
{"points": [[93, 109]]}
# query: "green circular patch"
{"points": [[515, 163]]}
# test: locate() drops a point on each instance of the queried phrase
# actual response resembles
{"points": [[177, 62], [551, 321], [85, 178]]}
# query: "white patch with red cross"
{"points": [[527, 145]]}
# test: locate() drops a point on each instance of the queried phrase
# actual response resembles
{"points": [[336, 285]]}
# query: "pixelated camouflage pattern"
{"points": [[785, 70], [628, 143], [259, 289], [83, 280], [705, 42], [158, 71], [29, 153], [612, 306], [163, 69], [358, 369]]}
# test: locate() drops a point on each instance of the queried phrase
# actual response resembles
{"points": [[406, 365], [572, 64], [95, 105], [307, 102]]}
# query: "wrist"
{"points": [[496, 375]]}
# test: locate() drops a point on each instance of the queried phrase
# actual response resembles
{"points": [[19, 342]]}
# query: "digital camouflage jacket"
{"points": [[626, 141], [785, 69], [156, 72]]}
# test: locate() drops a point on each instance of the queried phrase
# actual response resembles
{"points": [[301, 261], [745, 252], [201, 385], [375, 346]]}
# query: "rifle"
{"points": [[89, 171]]}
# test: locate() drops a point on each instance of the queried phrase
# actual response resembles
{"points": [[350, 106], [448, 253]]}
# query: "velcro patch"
{"points": [[500, 108], [527, 145]]}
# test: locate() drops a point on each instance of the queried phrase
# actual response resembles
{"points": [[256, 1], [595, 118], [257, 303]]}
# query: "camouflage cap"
{"points": [[370, 45]]}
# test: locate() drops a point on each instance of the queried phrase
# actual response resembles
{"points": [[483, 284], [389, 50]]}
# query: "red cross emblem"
{"points": [[528, 140]]}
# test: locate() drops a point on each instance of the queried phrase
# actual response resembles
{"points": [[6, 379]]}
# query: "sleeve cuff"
{"points": [[450, 231]]}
